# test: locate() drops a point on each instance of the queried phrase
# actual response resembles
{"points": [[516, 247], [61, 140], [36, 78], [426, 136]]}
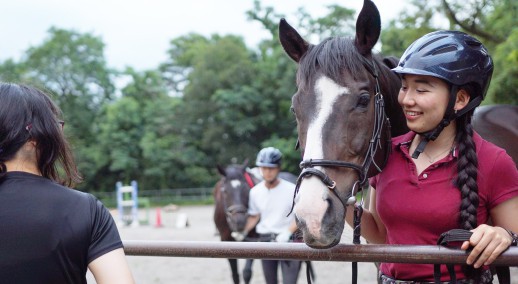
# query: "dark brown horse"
{"points": [[344, 93], [231, 205]]}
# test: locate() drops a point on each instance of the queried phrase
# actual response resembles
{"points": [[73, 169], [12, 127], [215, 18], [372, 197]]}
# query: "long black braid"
{"points": [[467, 172], [466, 182]]}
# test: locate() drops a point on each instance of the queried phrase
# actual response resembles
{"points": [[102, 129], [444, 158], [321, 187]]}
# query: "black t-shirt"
{"points": [[50, 233]]}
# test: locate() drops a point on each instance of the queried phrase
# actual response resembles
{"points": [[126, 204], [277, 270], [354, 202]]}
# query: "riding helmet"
{"points": [[269, 157], [453, 56], [456, 57]]}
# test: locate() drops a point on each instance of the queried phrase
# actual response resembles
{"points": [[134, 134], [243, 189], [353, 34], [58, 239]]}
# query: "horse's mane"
{"points": [[331, 56]]}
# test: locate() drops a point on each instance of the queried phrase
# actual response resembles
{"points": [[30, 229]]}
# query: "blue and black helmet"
{"points": [[456, 57], [453, 56], [269, 157]]}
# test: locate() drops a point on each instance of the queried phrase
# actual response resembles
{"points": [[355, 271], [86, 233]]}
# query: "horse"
{"points": [[347, 111], [231, 194], [231, 206], [498, 124]]}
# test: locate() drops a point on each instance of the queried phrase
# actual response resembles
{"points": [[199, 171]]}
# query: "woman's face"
{"points": [[424, 100]]}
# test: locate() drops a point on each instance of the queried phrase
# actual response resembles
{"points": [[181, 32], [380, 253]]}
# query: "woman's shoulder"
{"points": [[491, 157], [486, 148]]}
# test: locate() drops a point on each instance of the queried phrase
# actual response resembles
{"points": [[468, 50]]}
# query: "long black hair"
{"points": [[26, 114], [467, 173]]}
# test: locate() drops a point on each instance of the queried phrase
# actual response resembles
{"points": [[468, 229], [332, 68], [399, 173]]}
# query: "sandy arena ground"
{"points": [[147, 270]]}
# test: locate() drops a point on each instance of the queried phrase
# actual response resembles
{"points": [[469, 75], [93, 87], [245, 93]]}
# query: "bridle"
{"points": [[231, 210], [375, 143], [380, 119]]}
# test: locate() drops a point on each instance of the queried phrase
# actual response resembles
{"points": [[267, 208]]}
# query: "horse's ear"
{"points": [[294, 45], [391, 61], [245, 163], [221, 170], [368, 28]]}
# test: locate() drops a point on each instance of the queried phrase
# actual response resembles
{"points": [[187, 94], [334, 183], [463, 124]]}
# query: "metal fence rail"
{"points": [[300, 251]]}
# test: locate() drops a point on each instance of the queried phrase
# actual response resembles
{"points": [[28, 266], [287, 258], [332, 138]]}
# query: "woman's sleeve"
{"points": [[105, 236], [502, 180]]}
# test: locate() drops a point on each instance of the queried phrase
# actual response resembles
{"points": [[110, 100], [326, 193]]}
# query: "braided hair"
{"points": [[466, 181]]}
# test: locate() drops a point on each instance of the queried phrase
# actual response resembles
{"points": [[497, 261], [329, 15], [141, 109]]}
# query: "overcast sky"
{"points": [[137, 32]]}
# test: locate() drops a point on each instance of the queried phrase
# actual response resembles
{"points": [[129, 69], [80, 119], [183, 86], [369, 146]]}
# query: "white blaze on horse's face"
{"points": [[235, 183], [311, 203]]}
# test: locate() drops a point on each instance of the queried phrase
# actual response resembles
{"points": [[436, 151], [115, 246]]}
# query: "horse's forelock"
{"points": [[234, 172], [331, 57]]}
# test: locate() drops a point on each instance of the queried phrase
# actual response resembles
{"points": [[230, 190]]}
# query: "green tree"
{"points": [[11, 71], [211, 70], [408, 26], [504, 86], [236, 100]]}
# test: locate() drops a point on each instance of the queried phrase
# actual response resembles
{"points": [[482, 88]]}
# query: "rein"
{"points": [[249, 180], [308, 166]]}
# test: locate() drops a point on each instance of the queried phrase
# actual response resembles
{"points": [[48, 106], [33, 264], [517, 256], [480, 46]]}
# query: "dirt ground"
{"points": [[147, 270]]}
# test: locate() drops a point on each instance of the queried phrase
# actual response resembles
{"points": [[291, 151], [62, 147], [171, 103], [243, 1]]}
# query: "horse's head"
{"points": [[234, 189], [342, 128]]}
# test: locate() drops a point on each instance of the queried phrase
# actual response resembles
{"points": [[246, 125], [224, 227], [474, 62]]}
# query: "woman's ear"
{"points": [[33, 143], [30, 146], [462, 99]]}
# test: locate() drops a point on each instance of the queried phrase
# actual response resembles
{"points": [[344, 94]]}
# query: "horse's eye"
{"points": [[363, 101], [292, 110]]}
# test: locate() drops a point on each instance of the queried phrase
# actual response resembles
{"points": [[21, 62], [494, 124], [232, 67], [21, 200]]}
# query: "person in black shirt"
{"points": [[50, 233]]}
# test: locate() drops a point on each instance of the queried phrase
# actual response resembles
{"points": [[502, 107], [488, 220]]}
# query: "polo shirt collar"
{"points": [[406, 140]]}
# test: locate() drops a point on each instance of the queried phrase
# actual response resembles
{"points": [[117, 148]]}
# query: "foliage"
{"points": [[216, 100], [505, 84], [409, 26]]}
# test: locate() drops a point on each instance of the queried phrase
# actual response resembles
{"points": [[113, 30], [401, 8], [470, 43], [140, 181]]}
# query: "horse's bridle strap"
{"points": [[328, 163], [323, 177]]}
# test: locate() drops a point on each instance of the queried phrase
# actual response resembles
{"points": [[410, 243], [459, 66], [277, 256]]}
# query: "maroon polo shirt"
{"points": [[416, 209]]}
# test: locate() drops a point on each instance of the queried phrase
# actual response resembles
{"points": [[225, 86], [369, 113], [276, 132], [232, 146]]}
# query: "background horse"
{"points": [[231, 205], [231, 194], [338, 112]]}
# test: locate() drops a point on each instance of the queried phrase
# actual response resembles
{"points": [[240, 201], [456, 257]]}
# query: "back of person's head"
{"points": [[27, 113], [269, 157]]}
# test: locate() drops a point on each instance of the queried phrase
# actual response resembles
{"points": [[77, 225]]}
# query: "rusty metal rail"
{"points": [[300, 251]]}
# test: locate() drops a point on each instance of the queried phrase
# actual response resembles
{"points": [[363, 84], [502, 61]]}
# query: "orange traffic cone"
{"points": [[158, 217]]}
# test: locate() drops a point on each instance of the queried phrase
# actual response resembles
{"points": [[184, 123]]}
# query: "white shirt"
{"points": [[273, 205]]}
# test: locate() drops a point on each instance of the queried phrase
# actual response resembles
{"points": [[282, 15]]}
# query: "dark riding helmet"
{"points": [[453, 56], [456, 57], [269, 157]]}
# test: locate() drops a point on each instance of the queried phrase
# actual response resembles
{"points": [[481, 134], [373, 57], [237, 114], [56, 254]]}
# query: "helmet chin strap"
{"points": [[450, 115], [431, 135]]}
